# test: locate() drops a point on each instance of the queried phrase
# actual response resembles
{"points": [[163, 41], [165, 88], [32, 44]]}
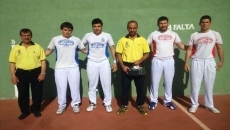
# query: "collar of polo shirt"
{"points": [[127, 36], [31, 43]]}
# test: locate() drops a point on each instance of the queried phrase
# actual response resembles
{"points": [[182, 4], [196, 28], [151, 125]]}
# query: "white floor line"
{"points": [[201, 124]]}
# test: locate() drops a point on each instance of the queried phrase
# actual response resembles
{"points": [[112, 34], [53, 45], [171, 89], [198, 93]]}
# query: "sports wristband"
{"points": [[43, 73], [114, 61]]}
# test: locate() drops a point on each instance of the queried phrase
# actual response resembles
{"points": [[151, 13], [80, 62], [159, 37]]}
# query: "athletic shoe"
{"points": [[60, 110], [152, 105], [108, 108], [122, 110], [192, 109], [91, 107], [142, 110], [76, 108], [213, 109], [170, 105]]}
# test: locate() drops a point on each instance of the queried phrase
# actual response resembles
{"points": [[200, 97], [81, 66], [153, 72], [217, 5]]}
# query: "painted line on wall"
{"points": [[201, 124], [15, 86]]}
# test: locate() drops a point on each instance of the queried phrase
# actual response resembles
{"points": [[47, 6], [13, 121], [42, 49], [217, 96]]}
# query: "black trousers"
{"points": [[29, 79], [126, 86]]}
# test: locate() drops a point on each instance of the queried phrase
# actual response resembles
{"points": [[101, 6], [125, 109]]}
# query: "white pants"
{"points": [[202, 69], [94, 71], [159, 67], [62, 78]]}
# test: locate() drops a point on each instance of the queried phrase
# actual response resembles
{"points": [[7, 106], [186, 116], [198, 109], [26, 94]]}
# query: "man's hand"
{"points": [[14, 79], [137, 63], [125, 69], [114, 67], [186, 67], [41, 77], [219, 65]]}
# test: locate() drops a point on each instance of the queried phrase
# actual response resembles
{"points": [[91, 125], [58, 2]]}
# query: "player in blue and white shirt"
{"points": [[66, 47], [98, 63]]}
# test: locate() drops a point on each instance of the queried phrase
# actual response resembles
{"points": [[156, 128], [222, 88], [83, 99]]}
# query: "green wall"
{"points": [[44, 18]]}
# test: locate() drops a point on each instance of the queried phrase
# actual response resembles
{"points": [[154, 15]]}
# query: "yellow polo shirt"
{"points": [[29, 58], [132, 50]]}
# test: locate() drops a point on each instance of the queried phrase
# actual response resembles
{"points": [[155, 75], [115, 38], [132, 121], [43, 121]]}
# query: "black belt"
{"points": [[22, 70]]}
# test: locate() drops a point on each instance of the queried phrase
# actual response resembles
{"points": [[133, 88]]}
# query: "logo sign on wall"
{"points": [[181, 27]]}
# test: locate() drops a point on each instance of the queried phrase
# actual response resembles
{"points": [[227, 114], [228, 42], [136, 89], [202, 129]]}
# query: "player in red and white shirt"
{"points": [[201, 49], [162, 41]]}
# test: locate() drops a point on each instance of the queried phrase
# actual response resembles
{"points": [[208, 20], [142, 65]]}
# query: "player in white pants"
{"points": [[162, 41], [66, 68], [98, 65], [202, 45]]}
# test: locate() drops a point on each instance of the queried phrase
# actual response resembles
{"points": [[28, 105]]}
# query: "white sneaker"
{"points": [[76, 108], [108, 108], [192, 109], [60, 110], [213, 109], [91, 107]]}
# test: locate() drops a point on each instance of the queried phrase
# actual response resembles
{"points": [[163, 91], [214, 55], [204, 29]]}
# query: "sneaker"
{"points": [[142, 110], [60, 110], [76, 108], [192, 109], [122, 110], [108, 108], [91, 107], [152, 105], [170, 105], [213, 109]]}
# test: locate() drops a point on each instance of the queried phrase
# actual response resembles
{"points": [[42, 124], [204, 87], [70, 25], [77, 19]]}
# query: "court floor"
{"points": [[162, 118]]}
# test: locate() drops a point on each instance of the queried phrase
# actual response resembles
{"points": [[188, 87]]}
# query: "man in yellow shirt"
{"points": [[131, 51], [27, 67]]}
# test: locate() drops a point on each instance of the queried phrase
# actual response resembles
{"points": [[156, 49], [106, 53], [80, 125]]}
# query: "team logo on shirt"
{"points": [[102, 40], [19, 52], [126, 44], [97, 45], [204, 40], [164, 37], [65, 42]]}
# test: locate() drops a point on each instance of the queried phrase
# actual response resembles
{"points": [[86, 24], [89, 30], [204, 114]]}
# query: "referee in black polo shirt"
{"points": [[27, 68]]}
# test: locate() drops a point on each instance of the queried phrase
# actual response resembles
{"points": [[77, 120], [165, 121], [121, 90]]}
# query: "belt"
{"points": [[19, 69], [163, 58]]}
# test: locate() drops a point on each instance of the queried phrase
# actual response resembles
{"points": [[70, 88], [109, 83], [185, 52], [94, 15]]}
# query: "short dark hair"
{"points": [[66, 25], [97, 21], [25, 30], [162, 18], [206, 17], [132, 21]]}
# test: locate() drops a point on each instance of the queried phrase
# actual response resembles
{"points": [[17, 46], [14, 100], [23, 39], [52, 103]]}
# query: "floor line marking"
{"points": [[201, 124]]}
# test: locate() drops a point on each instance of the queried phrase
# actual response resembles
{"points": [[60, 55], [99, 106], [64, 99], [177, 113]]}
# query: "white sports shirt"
{"points": [[98, 45], [66, 50], [204, 44], [163, 42]]}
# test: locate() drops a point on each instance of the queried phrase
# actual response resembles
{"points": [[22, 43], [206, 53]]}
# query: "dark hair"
{"points": [[97, 21], [205, 17], [162, 18], [25, 30], [132, 21], [66, 25]]}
